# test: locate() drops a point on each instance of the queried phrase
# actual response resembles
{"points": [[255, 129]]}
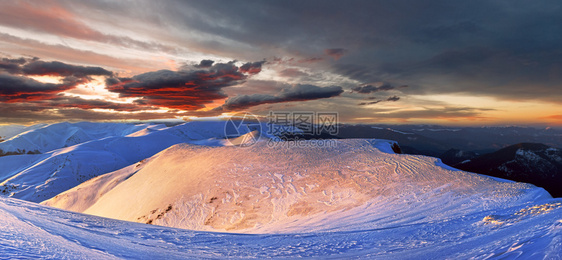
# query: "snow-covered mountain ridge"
{"points": [[44, 138], [260, 189]]}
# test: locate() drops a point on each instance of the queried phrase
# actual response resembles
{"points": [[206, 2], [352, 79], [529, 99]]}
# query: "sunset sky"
{"points": [[435, 62]]}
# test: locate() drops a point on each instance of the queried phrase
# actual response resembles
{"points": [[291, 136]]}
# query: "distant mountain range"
{"points": [[533, 163], [433, 140], [454, 156]]}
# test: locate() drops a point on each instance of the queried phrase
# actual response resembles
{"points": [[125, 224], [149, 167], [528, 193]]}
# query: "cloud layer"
{"points": [[294, 93], [487, 49], [184, 89], [16, 86], [189, 89]]}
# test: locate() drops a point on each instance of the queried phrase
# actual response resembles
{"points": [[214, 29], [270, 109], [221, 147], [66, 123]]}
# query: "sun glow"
{"points": [[48, 79], [500, 111]]}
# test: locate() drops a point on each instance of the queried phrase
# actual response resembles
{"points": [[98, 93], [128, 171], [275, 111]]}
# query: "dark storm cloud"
{"points": [[184, 89], [369, 103], [295, 93], [493, 48], [20, 89], [16, 86], [205, 64], [12, 66], [317, 26], [25, 94], [370, 88], [252, 67], [309, 92], [367, 89], [56, 68], [500, 47], [35, 66], [392, 99], [18, 61], [23, 99]]}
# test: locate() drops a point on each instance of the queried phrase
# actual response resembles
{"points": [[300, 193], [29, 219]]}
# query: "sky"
{"points": [[398, 62]]}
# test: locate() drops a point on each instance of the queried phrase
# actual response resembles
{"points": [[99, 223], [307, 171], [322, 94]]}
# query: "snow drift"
{"points": [[529, 231]]}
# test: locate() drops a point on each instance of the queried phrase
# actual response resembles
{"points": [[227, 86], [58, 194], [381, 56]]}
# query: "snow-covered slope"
{"points": [[353, 185], [43, 138], [145, 131], [84, 195], [37, 177], [8, 131]]}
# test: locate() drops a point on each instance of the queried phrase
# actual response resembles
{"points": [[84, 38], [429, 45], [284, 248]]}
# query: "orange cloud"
{"points": [[184, 89], [49, 17], [45, 16]]}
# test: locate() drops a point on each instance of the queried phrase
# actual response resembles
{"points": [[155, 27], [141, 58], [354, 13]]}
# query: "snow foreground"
{"points": [[30, 230]]}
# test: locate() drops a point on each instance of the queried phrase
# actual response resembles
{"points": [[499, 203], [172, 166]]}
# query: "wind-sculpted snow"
{"points": [[261, 189]]}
